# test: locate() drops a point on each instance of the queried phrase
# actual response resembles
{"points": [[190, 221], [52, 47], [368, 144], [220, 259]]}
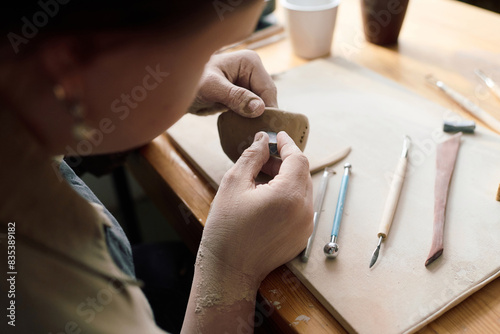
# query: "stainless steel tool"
{"points": [[318, 204]]}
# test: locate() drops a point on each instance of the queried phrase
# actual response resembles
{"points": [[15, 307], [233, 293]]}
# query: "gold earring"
{"points": [[80, 130]]}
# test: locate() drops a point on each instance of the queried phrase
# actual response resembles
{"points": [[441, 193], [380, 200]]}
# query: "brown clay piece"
{"points": [[236, 132]]}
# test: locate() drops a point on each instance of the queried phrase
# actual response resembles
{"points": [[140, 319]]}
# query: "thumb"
{"points": [[249, 164], [240, 100]]}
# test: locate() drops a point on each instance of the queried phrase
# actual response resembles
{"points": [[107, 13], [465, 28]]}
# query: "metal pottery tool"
{"points": [[465, 103], [331, 249], [446, 156], [392, 199], [273, 143], [318, 204], [495, 89]]}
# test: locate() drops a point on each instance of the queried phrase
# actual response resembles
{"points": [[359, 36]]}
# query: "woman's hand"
{"points": [[255, 228], [237, 81], [251, 229]]}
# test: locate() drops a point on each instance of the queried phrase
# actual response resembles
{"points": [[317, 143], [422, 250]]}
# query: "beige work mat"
{"points": [[351, 106]]}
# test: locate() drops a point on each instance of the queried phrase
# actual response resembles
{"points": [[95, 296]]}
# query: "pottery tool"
{"points": [[318, 204], [254, 38], [331, 249], [446, 156], [495, 88], [266, 41], [392, 199], [273, 143], [465, 103]]}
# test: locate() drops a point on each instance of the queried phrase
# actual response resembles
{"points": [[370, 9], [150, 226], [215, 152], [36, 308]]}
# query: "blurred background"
{"points": [[493, 5]]}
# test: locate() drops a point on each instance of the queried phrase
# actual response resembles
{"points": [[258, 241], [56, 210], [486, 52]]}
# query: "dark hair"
{"points": [[56, 17]]}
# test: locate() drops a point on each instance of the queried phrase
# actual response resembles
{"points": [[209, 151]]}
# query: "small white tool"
{"points": [[465, 103], [392, 199], [495, 89]]}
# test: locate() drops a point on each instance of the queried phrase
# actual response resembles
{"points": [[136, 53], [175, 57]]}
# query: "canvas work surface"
{"points": [[349, 106]]}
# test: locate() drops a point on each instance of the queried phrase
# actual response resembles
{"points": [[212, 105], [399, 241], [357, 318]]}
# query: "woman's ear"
{"points": [[57, 56], [62, 61]]}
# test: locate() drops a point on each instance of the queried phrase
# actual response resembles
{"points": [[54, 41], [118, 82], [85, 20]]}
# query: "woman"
{"points": [[91, 78]]}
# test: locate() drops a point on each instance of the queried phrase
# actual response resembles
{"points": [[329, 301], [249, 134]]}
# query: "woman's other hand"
{"points": [[237, 81]]}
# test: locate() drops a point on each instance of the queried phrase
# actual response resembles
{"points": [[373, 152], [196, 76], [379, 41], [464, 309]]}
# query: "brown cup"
{"points": [[382, 20]]}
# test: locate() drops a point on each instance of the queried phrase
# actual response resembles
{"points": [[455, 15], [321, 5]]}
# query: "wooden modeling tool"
{"points": [[254, 38], [331, 249], [392, 199], [467, 104], [318, 205], [446, 156]]}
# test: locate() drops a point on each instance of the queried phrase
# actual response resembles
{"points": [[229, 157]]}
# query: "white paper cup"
{"points": [[310, 25]]}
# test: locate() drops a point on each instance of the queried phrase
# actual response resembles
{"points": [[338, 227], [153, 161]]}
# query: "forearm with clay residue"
{"points": [[221, 300]]}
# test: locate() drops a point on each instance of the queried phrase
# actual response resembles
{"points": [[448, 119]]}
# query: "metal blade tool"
{"points": [[318, 204]]}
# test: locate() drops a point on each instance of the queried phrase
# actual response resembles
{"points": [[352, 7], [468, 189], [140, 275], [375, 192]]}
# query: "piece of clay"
{"points": [[446, 156], [236, 132], [328, 160], [498, 193]]}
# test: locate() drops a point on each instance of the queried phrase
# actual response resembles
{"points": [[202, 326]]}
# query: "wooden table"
{"points": [[443, 37]]}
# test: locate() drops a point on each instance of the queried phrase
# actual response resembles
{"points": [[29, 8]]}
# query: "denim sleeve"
{"points": [[116, 240]]}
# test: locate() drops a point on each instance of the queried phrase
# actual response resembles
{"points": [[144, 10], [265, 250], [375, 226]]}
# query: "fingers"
{"points": [[248, 166], [240, 100], [245, 86], [243, 101], [294, 168], [259, 81], [272, 166], [294, 176]]}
